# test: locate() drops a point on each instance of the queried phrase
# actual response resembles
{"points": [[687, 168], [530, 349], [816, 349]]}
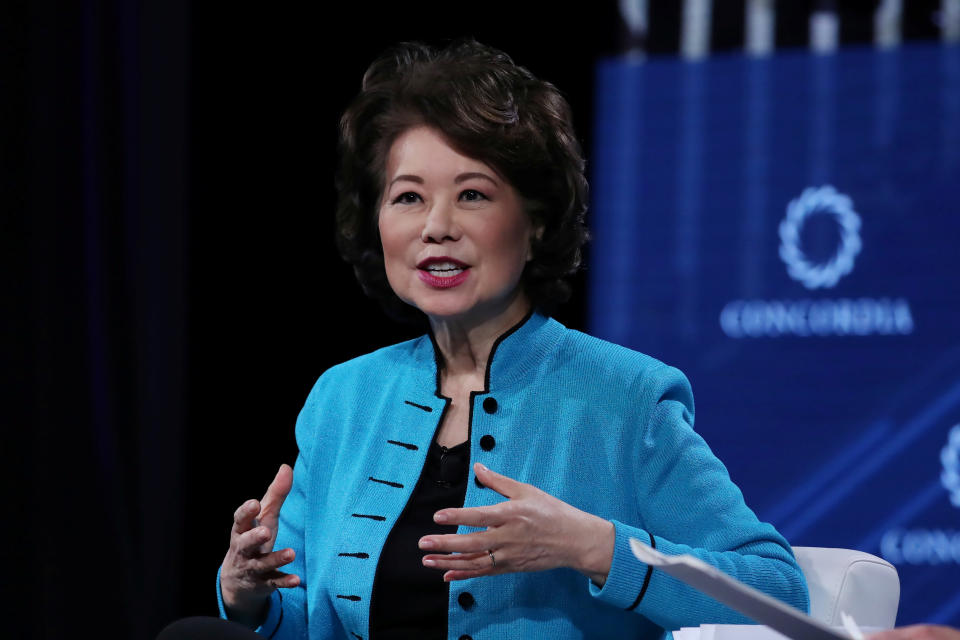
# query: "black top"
{"points": [[409, 600]]}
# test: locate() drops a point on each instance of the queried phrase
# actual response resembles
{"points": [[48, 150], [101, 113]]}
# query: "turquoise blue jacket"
{"points": [[606, 429]]}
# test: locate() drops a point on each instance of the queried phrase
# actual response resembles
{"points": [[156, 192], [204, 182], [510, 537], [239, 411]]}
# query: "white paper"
{"points": [[851, 626], [687, 633], [740, 632], [745, 632], [754, 604]]}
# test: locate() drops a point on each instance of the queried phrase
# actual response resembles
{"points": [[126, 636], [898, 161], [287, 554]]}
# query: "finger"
{"points": [[450, 576], [250, 544], [459, 542], [491, 516], [505, 486], [276, 492], [459, 561], [282, 580], [244, 517], [270, 562]]}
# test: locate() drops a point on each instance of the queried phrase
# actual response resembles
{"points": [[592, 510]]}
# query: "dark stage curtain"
{"points": [[94, 199]]}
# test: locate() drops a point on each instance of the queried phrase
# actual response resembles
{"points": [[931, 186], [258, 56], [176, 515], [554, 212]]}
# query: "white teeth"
{"points": [[444, 273], [444, 269]]}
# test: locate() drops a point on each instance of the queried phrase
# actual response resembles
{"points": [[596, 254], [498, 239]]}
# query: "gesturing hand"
{"points": [[250, 570], [531, 531]]}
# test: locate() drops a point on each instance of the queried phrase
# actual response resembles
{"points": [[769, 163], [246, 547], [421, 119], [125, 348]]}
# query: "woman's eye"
{"points": [[408, 197], [472, 195]]}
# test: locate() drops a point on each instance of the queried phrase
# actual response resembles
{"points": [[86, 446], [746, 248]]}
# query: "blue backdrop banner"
{"points": [[785, 230]]}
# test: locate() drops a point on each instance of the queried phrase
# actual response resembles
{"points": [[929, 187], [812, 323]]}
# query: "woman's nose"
{"points": [[440, 224]]}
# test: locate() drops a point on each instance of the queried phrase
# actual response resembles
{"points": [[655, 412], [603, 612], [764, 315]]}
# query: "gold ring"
{"points": [[492, 558]]}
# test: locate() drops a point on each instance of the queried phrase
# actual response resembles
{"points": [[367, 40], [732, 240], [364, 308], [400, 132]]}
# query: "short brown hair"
{"points": [[488, 108]]}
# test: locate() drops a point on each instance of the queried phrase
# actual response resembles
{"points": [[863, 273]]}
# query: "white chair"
{"points": [[842, 580]]}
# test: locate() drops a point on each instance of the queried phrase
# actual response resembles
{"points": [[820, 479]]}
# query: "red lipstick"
{"points": [[442, 272]]}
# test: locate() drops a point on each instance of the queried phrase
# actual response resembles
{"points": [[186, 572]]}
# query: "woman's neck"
{"points": [[465, 345]]}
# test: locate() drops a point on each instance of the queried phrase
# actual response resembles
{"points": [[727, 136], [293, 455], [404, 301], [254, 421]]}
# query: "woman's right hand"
{"points": [[250, 569]]}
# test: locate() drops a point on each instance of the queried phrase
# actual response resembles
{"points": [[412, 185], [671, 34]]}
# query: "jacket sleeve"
{"points": [[287, 613], [687, 504]]}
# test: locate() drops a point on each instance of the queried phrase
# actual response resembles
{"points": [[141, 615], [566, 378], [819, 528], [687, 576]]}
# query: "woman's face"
{"points": [[455, 235]]}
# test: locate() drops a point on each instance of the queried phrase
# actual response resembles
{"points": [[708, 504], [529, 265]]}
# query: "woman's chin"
{"points": [[446, 312], [474, 313]]}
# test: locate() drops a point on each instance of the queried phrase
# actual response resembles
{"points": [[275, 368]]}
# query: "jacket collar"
{"points": [[514, 355]]}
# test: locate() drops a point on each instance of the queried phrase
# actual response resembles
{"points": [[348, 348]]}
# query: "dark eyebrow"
{"points": [[463, 177], [408, 178]]}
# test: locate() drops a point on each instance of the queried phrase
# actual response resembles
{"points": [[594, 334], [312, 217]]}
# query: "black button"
{"points": [[490, 405], [487, 442], [477, 482], [465, 599], [465, 637]]}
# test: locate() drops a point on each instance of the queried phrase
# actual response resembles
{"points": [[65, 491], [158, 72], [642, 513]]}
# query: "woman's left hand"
{"points": [[531, 531]]}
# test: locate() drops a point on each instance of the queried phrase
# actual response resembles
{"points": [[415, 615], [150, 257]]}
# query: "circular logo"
{"points": [[820, 200], [950, 457]]}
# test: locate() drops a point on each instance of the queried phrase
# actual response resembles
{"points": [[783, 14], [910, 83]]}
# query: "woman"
{"points": [[483, 481]]}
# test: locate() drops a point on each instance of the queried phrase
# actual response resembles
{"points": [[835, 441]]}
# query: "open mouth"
{"points": [[442, 266], [443, 272], [444, 269]]}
